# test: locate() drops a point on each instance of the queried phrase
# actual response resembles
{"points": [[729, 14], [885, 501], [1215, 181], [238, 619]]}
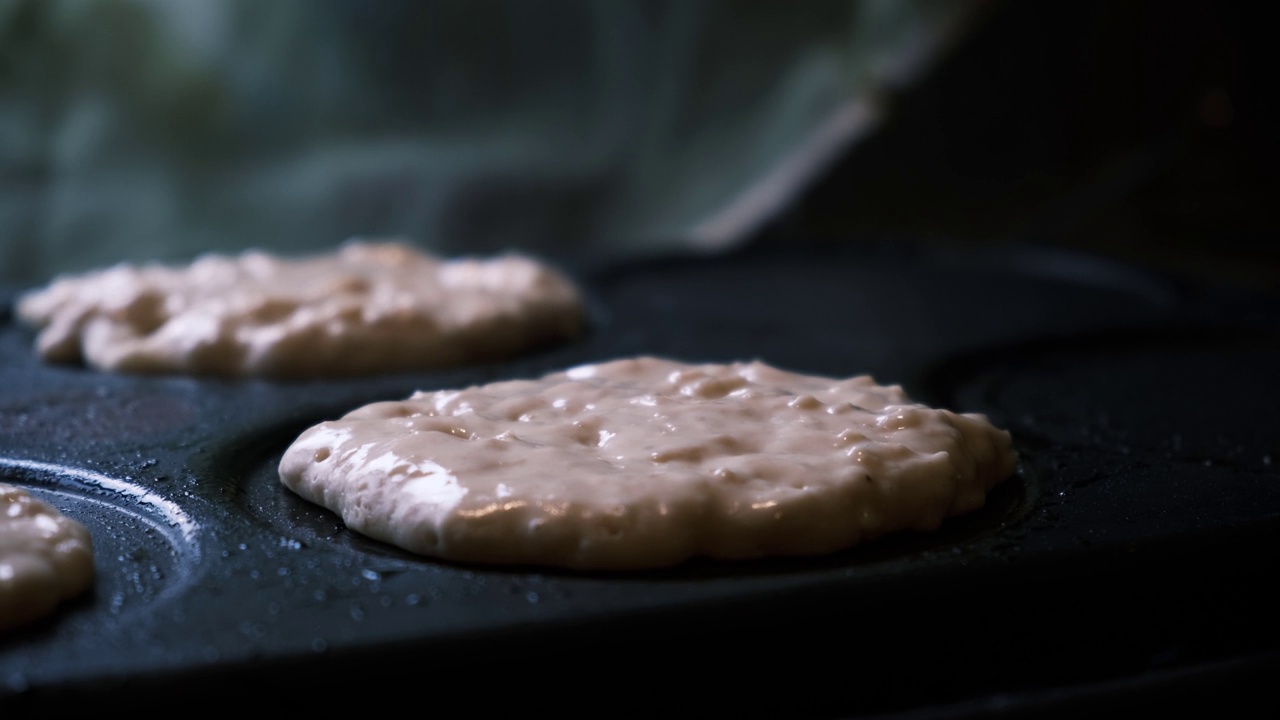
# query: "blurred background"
{"points": [[138, 130]]}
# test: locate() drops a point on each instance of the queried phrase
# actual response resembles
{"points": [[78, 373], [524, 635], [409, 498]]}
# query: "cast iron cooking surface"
{"points": [[1125, 562]]}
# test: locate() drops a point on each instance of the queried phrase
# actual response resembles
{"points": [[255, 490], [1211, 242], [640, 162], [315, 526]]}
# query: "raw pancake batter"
{"points": [[45, 558], [647, 462], [366, 308]]}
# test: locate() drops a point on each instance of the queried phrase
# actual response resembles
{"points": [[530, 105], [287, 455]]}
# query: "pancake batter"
{"points": [[646, 462], [366, 308], [45, 558]]}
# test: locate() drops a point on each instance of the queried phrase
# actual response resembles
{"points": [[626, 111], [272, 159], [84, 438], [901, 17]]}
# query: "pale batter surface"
{"points": [[365, 308], [45, 558], [647, 462]]}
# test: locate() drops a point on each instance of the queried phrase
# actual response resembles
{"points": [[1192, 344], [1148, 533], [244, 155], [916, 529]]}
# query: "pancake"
{"points": [[45, 558], [368, 307], [647, 462]]}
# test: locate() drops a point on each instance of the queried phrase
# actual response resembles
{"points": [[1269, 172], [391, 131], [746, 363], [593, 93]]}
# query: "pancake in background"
{"points": [[366, 308]]}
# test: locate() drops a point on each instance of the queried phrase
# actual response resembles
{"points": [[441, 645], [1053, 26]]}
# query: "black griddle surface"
{"points": [[1126, 563]]}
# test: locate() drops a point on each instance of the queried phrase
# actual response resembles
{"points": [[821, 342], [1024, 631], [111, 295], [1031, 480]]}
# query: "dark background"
{"points": [[135, 130], [153, 130], [1142, 131]]}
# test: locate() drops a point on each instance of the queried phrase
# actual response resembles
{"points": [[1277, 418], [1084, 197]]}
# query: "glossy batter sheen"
{"points": [[646, 462], [366, 308], [45, 558]]}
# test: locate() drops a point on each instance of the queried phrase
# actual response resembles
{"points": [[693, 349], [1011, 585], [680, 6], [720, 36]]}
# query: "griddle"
{"points": [[1125, 565]]}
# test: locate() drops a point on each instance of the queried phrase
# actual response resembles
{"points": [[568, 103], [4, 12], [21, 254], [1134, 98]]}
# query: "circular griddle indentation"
{"points": [[144, 546], [1206, 396]]}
